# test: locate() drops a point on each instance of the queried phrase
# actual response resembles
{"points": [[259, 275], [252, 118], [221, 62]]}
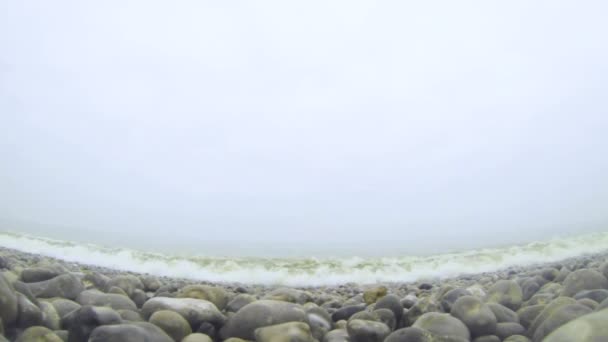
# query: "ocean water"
{"points": [[311, 271]]}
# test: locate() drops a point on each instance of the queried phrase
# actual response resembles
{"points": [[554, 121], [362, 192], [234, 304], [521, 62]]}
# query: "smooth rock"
{"points": [[370, 296], [289, 295], [66, 286], [547, 311], [387, 317], [583, 279], [195, 311], [337, 335], [29, 314], [597, 295], [213, 294], [38, 334], [516, 338], [476, 315], [528, 314], [82, 322], [367, 331], [151, 283], [392, 303], [239, 301], [443, 324], [408, 301], [587, 328], [63, 306], [171, 323], [503, 314], [117, 290], [42, 273], [591, 304], [127, 282], [132, 332], [98, 298], [8, 303], [259, 314], [559, 317], [487, 338], [284, 332], [319, 320], [424, 305], [197, 337], [410, 334], [96, 280], [130, 315], [507, 293], [50, 317], [450, 297], [346, 312], [25, 290]]}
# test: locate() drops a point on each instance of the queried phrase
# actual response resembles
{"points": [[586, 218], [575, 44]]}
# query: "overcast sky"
{"points": [[424, 123]]}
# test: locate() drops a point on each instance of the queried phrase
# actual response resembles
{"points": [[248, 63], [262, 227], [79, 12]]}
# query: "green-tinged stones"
{"points": [[259, 314], [587, 328], [214, 294], [172, 323], [372, 295], [443, 324], [284, 332], [195, 311], [140, 331], [38, 334], [507, 293], [367, 331], [583, 279], [66, 286], [112, 300], [475, 314]]}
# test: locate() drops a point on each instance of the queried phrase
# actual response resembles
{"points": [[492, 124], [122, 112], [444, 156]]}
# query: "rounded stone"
{"points": [[559, 317], [172, 323], [587, 328], [506, 329], [214, 294], [476, 315], [195, 311], [197, 337], [583, 279], [66, 286], [367, 331], [112, 300], [8, 302], [507, 293], [443, 324], [284, 332], [38, 334], [392, 303], [450, 297], [370, 296], [139, 331], [259, 314], [503, 314]]}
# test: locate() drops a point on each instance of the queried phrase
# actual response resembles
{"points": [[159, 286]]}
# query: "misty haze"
{"points": [[305, 145]]}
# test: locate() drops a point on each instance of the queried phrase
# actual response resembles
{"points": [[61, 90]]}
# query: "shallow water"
{"points": [[311, 271]]}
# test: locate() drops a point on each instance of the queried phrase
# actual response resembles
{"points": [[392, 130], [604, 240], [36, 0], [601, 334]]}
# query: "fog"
{"points": [[343, 125]]}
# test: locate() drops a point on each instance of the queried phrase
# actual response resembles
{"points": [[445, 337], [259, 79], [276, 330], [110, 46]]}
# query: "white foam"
{"points": [[311, 271]]}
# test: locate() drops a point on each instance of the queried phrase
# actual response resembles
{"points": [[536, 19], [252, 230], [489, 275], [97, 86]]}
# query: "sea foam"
{"points": [[311, 271]]}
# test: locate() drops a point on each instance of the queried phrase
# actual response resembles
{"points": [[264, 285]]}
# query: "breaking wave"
{"points": [[311, 271]]}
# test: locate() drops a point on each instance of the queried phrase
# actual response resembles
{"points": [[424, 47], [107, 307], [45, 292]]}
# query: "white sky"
{"points": [[428, 124]]}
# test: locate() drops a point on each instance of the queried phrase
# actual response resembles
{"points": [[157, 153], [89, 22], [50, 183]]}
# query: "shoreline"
{"points": [[71, 301], [502, 273]]}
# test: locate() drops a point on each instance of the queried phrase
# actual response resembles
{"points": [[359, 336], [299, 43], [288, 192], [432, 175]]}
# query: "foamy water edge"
{"points": [[311, 271]]}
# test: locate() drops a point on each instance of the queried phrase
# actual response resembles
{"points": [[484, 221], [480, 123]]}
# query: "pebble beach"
{"points": [[47, 299]]}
